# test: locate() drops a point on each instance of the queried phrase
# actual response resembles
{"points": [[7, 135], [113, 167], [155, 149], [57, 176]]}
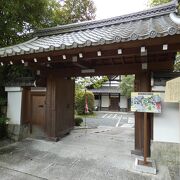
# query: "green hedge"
{"points": [[3, 101], [80, 102], [3, 126]]}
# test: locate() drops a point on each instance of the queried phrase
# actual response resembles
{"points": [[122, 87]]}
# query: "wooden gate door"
{"points": [[38, 110], [114, 104], [59, 106]]}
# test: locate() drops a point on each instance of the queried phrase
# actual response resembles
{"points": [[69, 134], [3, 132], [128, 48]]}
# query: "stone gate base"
{"points": [[18, 132]]}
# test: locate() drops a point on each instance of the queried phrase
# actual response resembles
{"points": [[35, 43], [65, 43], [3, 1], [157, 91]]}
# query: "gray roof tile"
{"points": [[106, 89], [150, 23]]}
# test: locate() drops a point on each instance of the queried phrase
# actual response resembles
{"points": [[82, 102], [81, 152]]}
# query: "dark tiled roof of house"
{"points": [[151, 23], [106, 89]]}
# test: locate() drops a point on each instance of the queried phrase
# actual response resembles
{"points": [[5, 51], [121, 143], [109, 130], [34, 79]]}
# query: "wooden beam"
{"points": [[80, 65], [142, 84], [172, 41], [114, 69], [95, 61], [145, 138]]}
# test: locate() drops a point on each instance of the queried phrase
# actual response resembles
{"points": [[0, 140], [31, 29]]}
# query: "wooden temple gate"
{"points": [[139, 43]]}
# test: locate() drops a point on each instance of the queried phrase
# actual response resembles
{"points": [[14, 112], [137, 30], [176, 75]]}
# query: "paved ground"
{"points": [[114, 119], [85, 154], [5, 142]]}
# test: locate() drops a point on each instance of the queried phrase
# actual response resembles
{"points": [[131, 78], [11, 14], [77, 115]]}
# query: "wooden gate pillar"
{"points": [[59, 106], [142, 84]]}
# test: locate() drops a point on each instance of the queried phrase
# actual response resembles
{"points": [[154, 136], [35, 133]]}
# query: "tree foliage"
{"points": [[127, 85], [19, 18], [80, 101], [157, 2], [73, 11], [177, 63]]}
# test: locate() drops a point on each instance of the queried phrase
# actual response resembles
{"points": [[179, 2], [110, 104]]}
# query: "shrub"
{"points": [[3, 126], [3, 101], [78, 121], [80, 102], [3, 120]]}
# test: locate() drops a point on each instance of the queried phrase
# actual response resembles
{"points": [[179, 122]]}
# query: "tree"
{"points": [[19, 18], [127, 85], [157, 2], [177, 63], [81, 85], [72, 11]]}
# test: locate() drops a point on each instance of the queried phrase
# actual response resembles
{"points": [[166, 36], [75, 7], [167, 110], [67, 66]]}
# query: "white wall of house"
{"points": [[14, 104], [123, 102], [167, 124], [105, 101]]}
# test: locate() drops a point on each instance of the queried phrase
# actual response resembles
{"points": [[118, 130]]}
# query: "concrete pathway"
{"points": [[107, 118], [86, 154], [5, 142]]}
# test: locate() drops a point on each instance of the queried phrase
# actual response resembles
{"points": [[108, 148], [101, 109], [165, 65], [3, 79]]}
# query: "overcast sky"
{"points": [[111, 8]]}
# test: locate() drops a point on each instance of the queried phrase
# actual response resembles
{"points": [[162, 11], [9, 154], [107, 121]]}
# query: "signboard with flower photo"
{"points": [[149, 102]]}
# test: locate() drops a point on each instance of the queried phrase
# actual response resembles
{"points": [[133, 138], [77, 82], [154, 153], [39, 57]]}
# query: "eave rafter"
{"points": [[153, 46]]}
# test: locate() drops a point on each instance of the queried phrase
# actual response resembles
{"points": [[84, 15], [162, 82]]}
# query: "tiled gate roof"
{"points": [[151, 23]]}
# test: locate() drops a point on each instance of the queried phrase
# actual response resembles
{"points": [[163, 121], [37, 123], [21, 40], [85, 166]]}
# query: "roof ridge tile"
{"points": [[148, 13]]}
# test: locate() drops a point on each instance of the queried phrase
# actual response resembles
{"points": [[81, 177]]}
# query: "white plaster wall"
{"points": [[14, 104], [123, 102], [167, 124], [158, 88], [105, 101]]}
